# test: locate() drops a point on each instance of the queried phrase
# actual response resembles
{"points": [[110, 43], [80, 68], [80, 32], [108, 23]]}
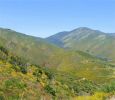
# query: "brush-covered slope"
{"points": [[22, 81], [92, 41], [34, 49]]}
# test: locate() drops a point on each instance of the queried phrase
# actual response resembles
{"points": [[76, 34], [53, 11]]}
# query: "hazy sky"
{"points": [[43, 18]]}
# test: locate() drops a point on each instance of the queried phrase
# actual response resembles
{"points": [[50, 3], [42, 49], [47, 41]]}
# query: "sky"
{"points": [[43, 18]]}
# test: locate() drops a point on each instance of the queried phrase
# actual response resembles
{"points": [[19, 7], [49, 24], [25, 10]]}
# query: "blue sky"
{"points": [[43, 18]]}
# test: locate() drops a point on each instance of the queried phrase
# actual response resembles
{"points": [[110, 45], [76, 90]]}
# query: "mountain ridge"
{"points": [[86, 39]]}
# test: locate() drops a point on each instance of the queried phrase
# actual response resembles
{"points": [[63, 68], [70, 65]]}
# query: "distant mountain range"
{"points": [[88, 40]]}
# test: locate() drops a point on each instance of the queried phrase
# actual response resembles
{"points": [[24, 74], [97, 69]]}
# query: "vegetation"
{"points": [[40, 82], [88, 40], [32, 69]]}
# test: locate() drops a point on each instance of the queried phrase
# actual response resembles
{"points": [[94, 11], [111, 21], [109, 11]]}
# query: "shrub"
{"points": [[17, 61], [4, 50], [1, 98], [49, 73], [84, 86], [38, 74], [3, 56], [108, 87], [14, 83], [50, 90]]}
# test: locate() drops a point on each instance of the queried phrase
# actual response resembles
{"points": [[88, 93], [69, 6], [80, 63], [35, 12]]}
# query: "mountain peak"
{"points": [[86, 39], [82, 29]]}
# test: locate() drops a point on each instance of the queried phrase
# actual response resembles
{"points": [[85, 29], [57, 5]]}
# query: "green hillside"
{"points": [[34, 49], [22, 81], [92, 41]]}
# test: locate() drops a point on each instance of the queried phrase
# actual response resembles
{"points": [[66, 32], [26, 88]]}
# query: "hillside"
{"points": [[35, 49], [20, 81], [32, 66], [92, 41], [38, 51]]}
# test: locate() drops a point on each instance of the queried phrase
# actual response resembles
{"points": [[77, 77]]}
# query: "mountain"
{"points": [[38, 51], [85, 39], [32, 68], [27, 46], [56, 39]]}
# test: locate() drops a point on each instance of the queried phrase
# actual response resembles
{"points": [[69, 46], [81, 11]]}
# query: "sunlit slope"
{"points": [[33, 48], [20, 80], [81, 64], [92, 41]]}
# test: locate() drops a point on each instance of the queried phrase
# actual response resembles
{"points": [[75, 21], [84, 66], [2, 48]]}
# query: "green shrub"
{"points": [[38, 74], [4, 50], [1, 97], [23, 69], [50, 90], [3, 56], [84, 86], [17, 61], [108, 87], [14, 83], [49, 73]]}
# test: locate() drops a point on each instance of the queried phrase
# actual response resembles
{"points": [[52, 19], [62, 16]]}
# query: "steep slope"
{"points": [[92, 41], [33, 48], [57, 38], [20, 81]]}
